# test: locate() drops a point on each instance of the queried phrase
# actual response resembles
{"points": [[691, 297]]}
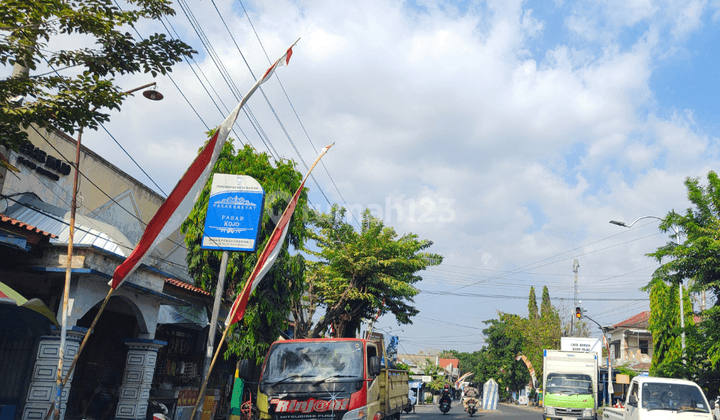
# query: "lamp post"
{"points": [[152, 95], [609, 389], [677, 239]]}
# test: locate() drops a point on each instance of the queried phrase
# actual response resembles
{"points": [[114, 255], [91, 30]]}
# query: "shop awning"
{"points": [[170, 314]]}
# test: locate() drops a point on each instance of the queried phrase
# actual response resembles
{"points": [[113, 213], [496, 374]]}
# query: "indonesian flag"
{"points": [[282, 61], [181, 200], [270, 253]]}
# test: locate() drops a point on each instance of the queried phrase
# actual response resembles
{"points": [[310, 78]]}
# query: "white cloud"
{"points": [[535, 152]]}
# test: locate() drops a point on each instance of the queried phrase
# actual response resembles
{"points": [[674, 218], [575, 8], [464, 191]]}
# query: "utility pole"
{"points": [[576, 265]]}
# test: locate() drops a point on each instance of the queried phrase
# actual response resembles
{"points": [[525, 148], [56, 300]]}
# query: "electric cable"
{"points": [[282, 87]]}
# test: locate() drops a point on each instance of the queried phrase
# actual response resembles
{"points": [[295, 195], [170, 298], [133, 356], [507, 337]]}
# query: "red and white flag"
{"points": [[270, 252], [181, 200], [282, 61]]}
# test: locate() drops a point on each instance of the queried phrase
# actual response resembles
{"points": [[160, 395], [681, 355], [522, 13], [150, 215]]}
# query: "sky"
{"points": [[507, 132]]}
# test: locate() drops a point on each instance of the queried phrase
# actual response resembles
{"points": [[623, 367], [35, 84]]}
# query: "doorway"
{"points": [[102, 362]]}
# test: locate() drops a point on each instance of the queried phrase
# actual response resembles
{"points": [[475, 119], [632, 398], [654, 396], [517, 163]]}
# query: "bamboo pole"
{"points": [[68, 276], [60, 383]]}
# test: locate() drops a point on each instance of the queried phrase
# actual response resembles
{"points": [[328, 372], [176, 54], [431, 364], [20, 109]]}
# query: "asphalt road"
{"points": [[504, 412]]}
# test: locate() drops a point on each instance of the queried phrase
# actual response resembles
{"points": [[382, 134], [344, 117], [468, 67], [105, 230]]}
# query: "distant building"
{"points": [[418, 362]]}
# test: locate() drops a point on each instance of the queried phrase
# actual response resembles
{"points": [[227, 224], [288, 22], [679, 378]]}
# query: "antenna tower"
{"points": [[576, 265]]}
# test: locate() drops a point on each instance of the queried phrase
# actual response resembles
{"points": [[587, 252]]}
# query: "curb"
{"points": [[524, 407]]}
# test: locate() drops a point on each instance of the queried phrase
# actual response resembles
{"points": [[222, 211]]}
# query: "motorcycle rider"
{"points": [[446, 394], [470, 392]]}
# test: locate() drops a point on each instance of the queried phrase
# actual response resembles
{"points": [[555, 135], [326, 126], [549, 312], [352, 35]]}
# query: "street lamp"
{"points": [[677, 239], [152, 95], [580, 313]]}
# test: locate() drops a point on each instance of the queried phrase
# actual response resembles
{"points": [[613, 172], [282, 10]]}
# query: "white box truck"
{"points": [[570, 380]]}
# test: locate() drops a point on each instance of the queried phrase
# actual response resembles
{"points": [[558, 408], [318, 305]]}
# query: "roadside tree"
{"points": [[696, 262], [532, 305], [437, 374], [83, 84], [272, 300], [539, 333], [498, 359], [360, 275], [667, 360]]}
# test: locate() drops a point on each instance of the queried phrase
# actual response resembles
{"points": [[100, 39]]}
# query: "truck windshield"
{"points": [[569, 384], [673, 397], [314, 361]]}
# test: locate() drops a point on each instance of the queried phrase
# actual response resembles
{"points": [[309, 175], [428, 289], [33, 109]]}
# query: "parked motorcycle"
{"points": [[472, 405], [445, 405], [157, 410], [716, 409]]}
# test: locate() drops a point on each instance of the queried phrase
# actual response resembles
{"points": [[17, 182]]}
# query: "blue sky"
{"points": [[507, 132]]}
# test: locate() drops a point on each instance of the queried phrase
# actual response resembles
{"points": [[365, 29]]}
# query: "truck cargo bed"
{"points": [[397, 391]]}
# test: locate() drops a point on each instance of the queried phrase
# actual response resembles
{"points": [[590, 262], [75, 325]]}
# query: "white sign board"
{"points": [[587, 344]]}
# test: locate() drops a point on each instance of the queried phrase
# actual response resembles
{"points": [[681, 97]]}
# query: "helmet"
{"points": [[447, 386]]}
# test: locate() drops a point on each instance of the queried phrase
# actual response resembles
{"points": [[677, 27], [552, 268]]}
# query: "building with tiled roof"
{"points": [[631, 343], [155, 326], [638, 321]]}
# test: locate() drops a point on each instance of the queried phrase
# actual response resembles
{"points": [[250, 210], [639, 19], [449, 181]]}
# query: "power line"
{"points": [[525, 297], [296, 115]]}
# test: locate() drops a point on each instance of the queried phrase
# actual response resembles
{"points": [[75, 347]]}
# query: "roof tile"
{"points": [[186, 286], [15, 222], [638, 321]]}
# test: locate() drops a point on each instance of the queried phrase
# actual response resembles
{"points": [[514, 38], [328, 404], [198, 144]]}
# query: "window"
{"points": [[644, 346], [616, 347], [633, 395], [313, 360]]}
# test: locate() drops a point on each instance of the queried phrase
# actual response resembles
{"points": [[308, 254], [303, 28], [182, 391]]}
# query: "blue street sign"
{"points": [[233, 216]]}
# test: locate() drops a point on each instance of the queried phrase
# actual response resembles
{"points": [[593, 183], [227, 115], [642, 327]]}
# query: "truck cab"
{"points": [[329, 378], [662, 398], [569, 385]]}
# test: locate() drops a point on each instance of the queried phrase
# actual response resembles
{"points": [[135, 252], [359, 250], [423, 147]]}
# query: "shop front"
{"points": [[179, 371]]}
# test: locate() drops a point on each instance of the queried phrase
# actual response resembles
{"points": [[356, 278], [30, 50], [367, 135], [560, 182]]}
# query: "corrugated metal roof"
{"points": [[84, 234]]}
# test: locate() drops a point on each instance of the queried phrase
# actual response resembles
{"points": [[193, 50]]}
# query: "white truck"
{"points": [[570, 385], [662, 398]]}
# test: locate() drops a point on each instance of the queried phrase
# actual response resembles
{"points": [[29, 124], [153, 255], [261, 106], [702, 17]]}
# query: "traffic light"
{"points": [[579, 312]]}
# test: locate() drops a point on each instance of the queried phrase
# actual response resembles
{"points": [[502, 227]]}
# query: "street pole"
{"points": [[682, 309], [576, 266], [68, 266], [608, 388], [213, 320]]}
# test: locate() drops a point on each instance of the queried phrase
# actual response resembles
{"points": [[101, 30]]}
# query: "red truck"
{"points": [[330, 378]]}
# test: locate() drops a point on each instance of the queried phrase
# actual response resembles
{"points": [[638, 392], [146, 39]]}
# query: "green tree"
{"points": [[403, 366], [539, 333], [532, 305], [667, 357], [437, 374], [271, 302], [695, 262], [498, 359], [546, 308], [359, 275], [83, 85]]}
